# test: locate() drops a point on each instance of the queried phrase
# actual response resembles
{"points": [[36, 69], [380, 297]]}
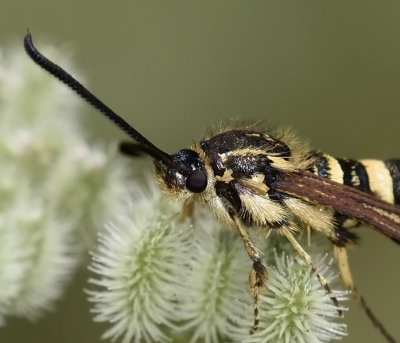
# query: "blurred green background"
{"points": [[328, 69]]}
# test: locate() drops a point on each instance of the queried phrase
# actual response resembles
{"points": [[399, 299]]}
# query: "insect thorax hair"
{"points": [[240, 163]]}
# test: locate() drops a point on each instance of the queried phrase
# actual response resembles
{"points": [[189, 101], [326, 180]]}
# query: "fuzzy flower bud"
{"points": [[54, 188], [159, 280]]}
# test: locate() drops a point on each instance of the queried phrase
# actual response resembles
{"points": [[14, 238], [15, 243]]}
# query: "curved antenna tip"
{"points": [[147, 147]]}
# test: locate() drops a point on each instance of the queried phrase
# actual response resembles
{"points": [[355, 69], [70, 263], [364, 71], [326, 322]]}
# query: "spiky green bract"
{"points": [[215, 306], [296, 308], [159, 280], [53, 186], [140, 268]]}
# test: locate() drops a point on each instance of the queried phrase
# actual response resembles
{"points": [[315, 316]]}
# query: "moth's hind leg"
{"points": [[258, 273], [288, 234], [344, 268]]}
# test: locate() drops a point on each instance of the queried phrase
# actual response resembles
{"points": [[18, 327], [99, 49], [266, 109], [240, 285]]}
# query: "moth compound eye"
{"points": [[197, 181]]}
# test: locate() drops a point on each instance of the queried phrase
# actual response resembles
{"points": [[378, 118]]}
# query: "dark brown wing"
{"points": [[347, 200]]}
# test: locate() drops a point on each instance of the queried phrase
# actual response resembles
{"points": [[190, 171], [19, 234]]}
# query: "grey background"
{"points": [[328, 69]]}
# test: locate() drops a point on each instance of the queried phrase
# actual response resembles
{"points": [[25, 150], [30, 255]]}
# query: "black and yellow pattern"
{"points": [[254, 178], [375, 177], [380, 178]]}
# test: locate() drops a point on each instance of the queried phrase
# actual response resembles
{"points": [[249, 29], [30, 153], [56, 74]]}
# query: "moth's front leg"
{"points": [[258, 273]]}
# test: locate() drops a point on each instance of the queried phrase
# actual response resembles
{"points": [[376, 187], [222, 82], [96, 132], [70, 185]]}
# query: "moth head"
{"points": [[185, 176]]}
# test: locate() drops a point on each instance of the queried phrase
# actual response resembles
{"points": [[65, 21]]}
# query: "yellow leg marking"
{"points": [[258, 273], [308, 260], [344, 268]]}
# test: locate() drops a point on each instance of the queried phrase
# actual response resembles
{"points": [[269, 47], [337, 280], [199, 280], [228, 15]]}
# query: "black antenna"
{"points": [[76, 86]]}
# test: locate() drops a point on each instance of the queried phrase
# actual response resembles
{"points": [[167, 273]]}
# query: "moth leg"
{"points": [[344, 267], [286, 232], [258, 273], [187, 210], [340, 253]]}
